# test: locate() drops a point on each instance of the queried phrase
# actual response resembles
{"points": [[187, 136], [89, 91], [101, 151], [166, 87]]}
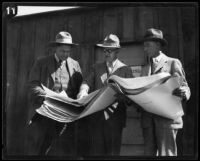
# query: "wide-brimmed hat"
{"points": [[64, 38], [155, 35], [111, 41]]}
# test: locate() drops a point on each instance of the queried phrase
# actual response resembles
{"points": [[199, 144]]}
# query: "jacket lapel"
{"points": [[51, 67], [163, 60], [118, 65]]}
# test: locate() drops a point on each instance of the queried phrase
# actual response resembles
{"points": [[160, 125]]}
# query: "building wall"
{"points": [[26, 39]]}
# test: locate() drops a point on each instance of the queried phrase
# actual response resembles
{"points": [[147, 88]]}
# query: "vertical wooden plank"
{"points": [[42, 36], [92, 27], [99, 55], [101, 25], [173, 33], [86, 58], [155, 18], [26, 55], [75, 27], [119, 13], [110, 22], [190, 30], [180, 136], [20, 107], [163, 16], [128, 23], [180, 36], [145, 21], [12, 45]]}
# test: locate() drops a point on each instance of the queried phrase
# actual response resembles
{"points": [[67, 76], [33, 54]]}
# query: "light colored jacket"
{"points": [[174, 67]]}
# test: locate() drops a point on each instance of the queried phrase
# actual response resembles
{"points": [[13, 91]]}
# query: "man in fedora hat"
{"points": [[57, 72], [159, 132], [106, 126]]}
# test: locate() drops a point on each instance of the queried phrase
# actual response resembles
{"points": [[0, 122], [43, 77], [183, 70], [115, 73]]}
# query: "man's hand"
{"points": [[180, 92], [39, 91], [38, 94], [82, 94], [84, 88]]}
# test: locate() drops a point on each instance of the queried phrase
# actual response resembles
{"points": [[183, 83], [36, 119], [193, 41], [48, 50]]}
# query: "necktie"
{"points": [[153, 66], [61, 64], [110, 68]]}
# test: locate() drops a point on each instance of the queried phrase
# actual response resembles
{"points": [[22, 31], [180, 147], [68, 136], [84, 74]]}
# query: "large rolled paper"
{"points": [[61, 108], [153, 93]]}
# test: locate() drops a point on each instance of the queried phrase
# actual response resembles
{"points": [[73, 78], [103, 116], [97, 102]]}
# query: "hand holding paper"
{"points": [[83, 91], [180, 92], [82, 94]]}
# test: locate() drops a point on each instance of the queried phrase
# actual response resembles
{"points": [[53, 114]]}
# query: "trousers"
{"points": [[160, 141]]}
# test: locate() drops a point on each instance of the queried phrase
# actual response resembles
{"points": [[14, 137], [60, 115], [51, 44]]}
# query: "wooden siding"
{"points": [[27, 38]]}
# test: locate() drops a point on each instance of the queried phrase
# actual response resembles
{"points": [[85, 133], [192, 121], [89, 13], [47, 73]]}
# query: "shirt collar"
{"points": [[158, 58], [113, 63], [58, 60], [56, 57]]}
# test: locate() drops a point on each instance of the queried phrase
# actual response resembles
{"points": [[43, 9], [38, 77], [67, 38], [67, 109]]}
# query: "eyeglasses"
{"points": [[109, 50]]}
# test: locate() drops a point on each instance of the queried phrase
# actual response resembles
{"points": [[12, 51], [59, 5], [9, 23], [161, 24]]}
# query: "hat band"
{"points": [[111, 44], [67, 41]]}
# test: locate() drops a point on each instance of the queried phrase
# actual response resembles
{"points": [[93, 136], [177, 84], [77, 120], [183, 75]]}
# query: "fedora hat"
{"points": [[64, 38], [154, 35], [111, 41]]}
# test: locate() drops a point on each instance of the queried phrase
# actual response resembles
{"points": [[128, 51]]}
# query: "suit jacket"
{"points": [[174, 67], [43, 71], [94, 80]]}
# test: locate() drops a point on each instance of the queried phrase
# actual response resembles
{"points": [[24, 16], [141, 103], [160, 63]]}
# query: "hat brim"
{"points": [[60, 43], [162, 41], [107, 46]]}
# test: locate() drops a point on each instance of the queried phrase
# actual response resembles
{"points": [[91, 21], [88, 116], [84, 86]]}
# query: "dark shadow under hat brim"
{"points": [[162, 41]]}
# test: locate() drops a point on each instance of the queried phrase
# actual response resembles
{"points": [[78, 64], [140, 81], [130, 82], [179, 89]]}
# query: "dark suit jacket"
{"points": [[43, 71], [174, 67], [95, 82]]}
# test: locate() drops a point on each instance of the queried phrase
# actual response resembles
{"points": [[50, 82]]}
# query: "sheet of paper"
{"points": [[160, 101], [63, 97], [138, 82], [103, 100], [155, 96]]}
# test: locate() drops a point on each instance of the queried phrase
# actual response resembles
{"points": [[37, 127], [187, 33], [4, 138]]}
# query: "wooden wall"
{"points": [[26, 39]]}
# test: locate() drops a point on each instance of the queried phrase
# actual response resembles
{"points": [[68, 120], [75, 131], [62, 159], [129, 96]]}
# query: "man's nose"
{"points": [[107, 53], [66, 53]]}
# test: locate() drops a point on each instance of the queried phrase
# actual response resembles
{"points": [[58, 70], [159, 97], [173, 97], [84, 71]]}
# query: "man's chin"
{"points": [[108, 60], [64, 58]]}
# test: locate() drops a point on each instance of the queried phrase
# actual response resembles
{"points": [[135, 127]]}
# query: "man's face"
{"points": [[110, 54], [151, 48], [63, 51]]}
